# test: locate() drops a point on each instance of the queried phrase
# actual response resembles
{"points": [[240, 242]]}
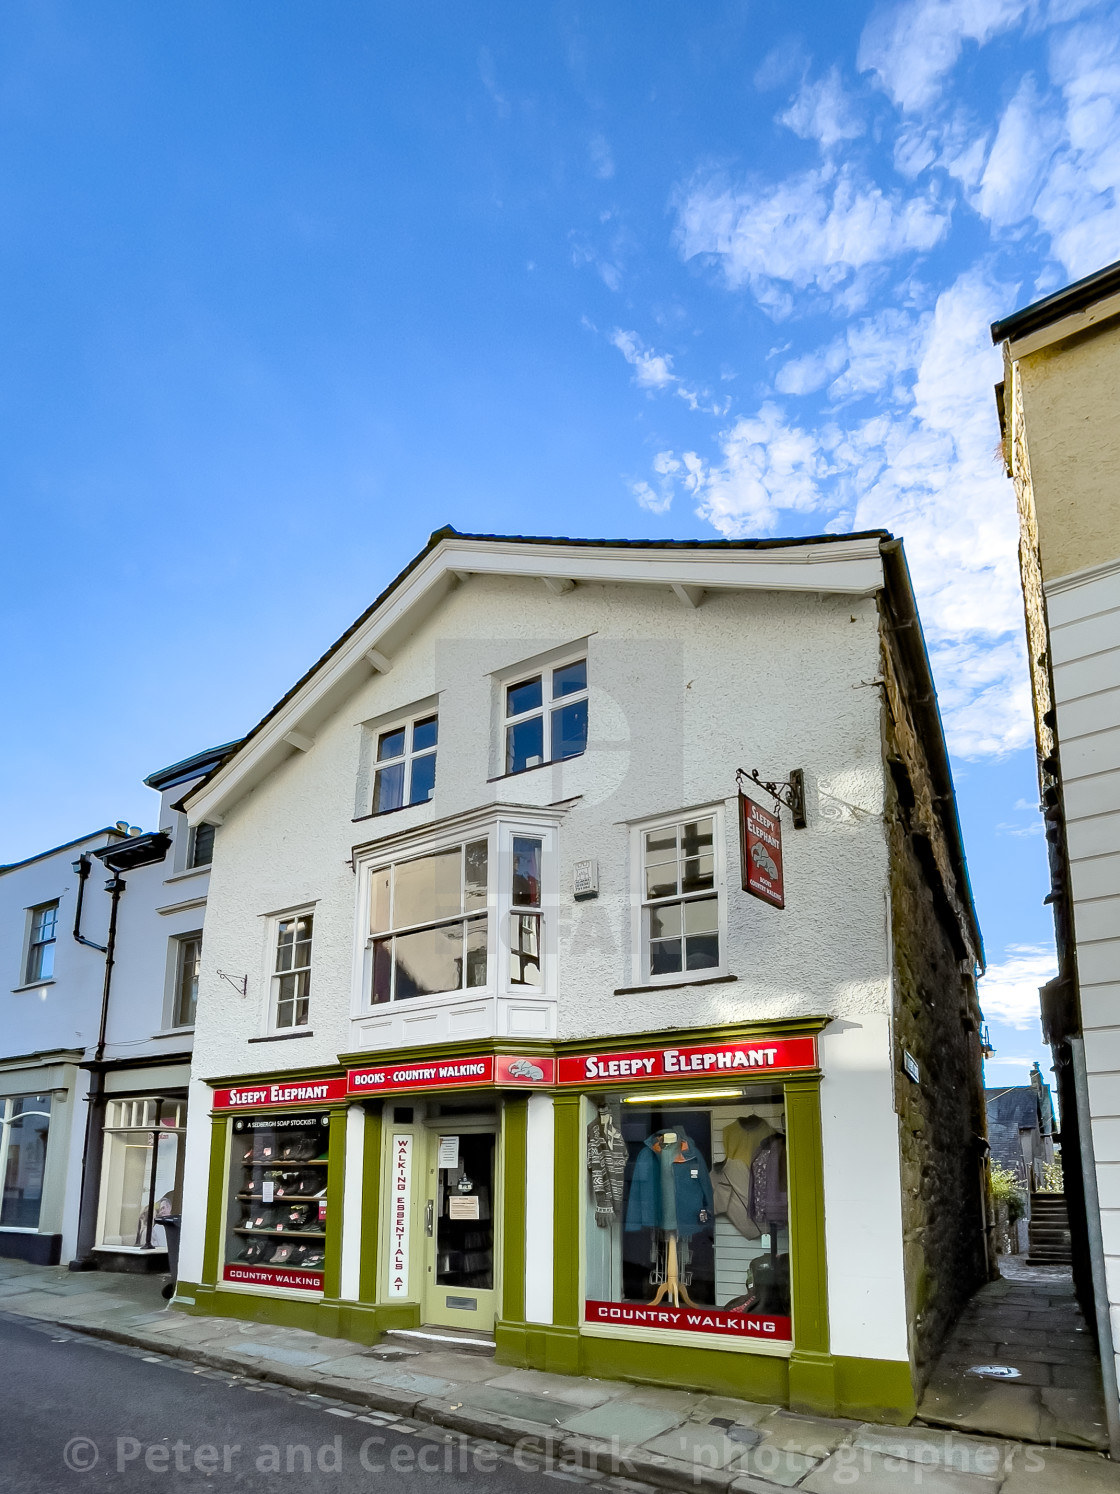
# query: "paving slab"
{"points": [[742, 1413], [280, 1353], [564, 1388], [698, 1446], [775, 1465], [357, 1367], [469, 1369], [815, 1435], [1073, 1415], [871, 1473], [1045, 1470], [514, 1403], [980, 1406], [980, 1455], [630, 1421]]}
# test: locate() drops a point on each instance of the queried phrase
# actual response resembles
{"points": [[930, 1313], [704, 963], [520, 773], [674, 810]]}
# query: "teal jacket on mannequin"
{"points": [[670, 1187]]}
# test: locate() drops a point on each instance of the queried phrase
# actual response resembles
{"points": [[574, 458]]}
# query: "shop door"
{"points": [[459, 1228]]}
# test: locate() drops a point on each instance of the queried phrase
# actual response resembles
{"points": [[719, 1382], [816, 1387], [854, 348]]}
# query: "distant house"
{"points": [[1021, 1128]]}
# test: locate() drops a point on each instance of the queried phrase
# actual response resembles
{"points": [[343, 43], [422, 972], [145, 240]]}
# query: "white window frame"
{"points": [[179, 943], [136, 1116], [274, 976], [548, 705], [34, 945], [499, 831], [408, 757], [640, 908]]}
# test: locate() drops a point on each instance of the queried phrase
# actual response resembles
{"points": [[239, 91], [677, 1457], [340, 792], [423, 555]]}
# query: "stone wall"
{"points": [[936, 1019]]}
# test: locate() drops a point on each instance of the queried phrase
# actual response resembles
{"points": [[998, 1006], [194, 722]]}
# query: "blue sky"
{"points": [[285, 287]]}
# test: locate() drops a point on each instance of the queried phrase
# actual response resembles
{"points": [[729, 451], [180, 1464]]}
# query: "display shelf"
{"points": [[284, 1234], [288, 1164]]}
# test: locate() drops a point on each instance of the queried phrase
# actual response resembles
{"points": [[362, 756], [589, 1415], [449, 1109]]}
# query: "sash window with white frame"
{"points": [[41, 947], [682, 929], [405, 770], [291, 980], [546, 716]]}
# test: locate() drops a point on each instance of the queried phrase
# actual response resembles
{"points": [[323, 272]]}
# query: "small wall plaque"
{"points": [[585, 879]]}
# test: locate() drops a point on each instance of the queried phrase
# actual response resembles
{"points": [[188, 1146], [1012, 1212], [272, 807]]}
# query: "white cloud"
{"points": [[817, 229], [823, 112], [651, 370], [1009, 991], [911, 47], [602, 162]]}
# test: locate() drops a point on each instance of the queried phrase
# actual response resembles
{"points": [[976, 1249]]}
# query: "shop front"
{"points": [[641, 1209]]}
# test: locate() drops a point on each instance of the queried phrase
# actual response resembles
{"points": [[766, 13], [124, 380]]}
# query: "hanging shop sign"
{"points": [[760, 852], [512, 1070], [733, 1324], [715, 1061], [261, 1096]]}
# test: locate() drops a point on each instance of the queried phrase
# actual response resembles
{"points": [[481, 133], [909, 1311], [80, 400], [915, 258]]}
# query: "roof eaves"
{"points": [[190, 767], [65, 846], [1071, 298]]}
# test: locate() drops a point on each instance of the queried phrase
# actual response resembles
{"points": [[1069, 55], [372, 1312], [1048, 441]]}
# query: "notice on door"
{"points": [[448, 1151], [459, 1207], [400, 1211]]}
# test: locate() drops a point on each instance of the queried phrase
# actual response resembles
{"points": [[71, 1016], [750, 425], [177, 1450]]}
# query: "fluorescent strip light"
{"points": [[692, 1094]]}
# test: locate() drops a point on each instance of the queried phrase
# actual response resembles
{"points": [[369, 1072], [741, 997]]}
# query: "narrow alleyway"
{"points": [[1029, 1324]]}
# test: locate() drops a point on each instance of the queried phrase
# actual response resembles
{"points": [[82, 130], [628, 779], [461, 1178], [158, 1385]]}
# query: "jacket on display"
{"points": [[731, 1180], [769, 1185], [670, 1188]]}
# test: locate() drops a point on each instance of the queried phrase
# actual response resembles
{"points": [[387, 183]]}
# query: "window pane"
{"points": [[390, 744], [379, 900], [285, 941], [702, 951], [303, 993], [525, 745], [526, 872], [525, 949], [475, 876], [429, 961], [382, 971], [524, 697], [388, 788], [476, 952], [425, 733], [423, 778], [27, 1155], [661, 845], [45, 922], [699, 873], [285, 1002], [661, 881], [569, 730], [428, 888], [202, 849], [40, 962], [665, 921], [569, 678], [186, 994], [701, 917], [664, 956]]}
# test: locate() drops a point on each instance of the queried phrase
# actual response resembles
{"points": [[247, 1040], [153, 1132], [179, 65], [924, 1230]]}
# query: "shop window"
{"points": [[141, 1172], [291, 980], [546, 716], [688, 1214], [188, 959], [681, 890], [428, 918], [277, 1209], [406, 764], [24, 1124], [40, 949]]}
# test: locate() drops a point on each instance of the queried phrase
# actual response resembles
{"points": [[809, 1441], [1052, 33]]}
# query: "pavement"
{"points": [[1044, 1378], [639, 1438]]}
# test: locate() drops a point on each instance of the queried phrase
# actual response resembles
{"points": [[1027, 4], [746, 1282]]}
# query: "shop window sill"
{"points": [[32, 985], [281, 1037], [673, 985]]}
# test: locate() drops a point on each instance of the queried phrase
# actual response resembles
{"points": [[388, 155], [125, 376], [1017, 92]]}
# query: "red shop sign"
{"points": [[261, 1096], [760, 852], [691, 1319], [274, 1276], [718, 1060], [512, 1070]]}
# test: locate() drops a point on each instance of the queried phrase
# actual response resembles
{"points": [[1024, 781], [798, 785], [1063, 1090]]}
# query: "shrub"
{"points": [[1008, 1190]]}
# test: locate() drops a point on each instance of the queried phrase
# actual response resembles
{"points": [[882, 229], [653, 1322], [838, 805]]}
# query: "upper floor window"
{"points": [[406, 764], [682, 888], [291, 980], [40, 949], [428, 917], [201, 851], [546, 716], [188, 959]]}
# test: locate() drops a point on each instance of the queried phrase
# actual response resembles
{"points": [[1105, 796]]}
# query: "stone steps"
{"points": [[1048, 1231]]}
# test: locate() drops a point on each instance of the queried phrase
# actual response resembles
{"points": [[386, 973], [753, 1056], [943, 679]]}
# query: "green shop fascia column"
{"points": [[812, 1370], [215, 1201], [370, 1262], [515, 1126]]}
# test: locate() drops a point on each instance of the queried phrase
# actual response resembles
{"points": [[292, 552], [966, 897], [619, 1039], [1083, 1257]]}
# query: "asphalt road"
{"points": [[80, 1415]]}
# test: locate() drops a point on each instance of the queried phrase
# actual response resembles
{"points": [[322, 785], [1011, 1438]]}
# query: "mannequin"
{"points": [[671, 1193]]}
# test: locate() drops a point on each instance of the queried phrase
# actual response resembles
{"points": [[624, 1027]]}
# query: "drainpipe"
{"points": [[81, 871], [1096, 1248], [84, 1259]]}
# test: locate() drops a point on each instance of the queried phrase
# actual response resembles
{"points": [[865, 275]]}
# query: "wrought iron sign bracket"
{"points": [[789, 794], [240, 983]]}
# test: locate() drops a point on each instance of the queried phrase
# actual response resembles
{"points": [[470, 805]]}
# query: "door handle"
{"points": [[430, 1217]]}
